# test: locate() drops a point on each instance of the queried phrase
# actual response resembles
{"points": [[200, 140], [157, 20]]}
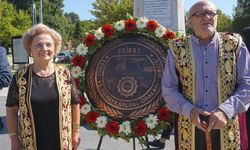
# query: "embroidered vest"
{"points": [[27, 126], [184, 58]]}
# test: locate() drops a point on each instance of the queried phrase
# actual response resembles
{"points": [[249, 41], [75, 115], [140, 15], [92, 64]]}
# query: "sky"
{"points": [[83, 7]]}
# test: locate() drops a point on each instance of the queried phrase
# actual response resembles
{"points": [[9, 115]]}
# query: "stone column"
{"points": [[169, 13]]}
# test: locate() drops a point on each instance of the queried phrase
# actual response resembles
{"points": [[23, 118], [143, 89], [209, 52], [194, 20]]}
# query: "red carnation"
{"points": [[107, 30], [152, 25], [91, 116], [77, 82], [130, 24], [140, 128], [164, 114], [112, 128], [89, 39], [78, 61], [168, 35], [82, 100]]}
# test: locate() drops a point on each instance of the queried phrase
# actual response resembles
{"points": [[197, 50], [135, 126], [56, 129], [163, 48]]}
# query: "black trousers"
{"points": [[200, 139]]}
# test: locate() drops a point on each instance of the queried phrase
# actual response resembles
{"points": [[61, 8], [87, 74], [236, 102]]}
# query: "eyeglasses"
{"points": [[200, 14]]}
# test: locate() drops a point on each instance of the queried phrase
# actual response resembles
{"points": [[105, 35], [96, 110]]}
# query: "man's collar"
{"points": [[198, 42]]}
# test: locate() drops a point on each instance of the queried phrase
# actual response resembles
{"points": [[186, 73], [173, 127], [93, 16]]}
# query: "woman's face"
{"points": [[43, 48]]}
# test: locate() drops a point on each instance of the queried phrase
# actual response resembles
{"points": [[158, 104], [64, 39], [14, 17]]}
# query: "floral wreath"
{"points": [[98, 120]]}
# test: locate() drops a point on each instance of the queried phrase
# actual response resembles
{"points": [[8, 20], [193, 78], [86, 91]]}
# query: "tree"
{"points": [[12, 22], [53, 7], [73, 18], [60, 24], [241, 16], [108, 11], [22, 4], [224, 22], [187, 27]]}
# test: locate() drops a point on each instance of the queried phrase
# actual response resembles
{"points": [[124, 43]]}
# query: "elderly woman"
{"points": [[44, 96]]}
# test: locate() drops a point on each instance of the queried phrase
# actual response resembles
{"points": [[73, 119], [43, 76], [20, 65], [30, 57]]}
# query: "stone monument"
{"points": [[169, 13]]}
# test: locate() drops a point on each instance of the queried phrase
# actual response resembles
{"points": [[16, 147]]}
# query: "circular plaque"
{"points": [[123, 77]]}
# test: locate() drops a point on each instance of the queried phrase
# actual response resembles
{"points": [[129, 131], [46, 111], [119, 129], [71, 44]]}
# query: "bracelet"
{"points": [[11, 134], [75, 126]]}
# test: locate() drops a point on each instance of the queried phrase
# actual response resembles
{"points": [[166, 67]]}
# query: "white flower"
{"points": [[141, 22], [101, 121], [85, 109], [160, 31], [125, 127], [151, 121], [120, 25], [76, 72], [81, 49], [99, 34]]}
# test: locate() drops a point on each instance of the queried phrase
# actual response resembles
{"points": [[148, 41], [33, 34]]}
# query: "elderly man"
{"points": [[207, 82]]}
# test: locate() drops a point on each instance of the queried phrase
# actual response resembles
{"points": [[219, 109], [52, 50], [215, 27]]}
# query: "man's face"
{"points": [[203, 20]]}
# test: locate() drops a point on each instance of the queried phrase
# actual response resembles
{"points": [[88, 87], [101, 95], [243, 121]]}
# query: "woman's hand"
{"points": [[15, 143], [75, 138]]}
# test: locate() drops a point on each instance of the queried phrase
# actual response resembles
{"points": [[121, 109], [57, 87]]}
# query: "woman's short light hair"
{"points": [[41, 29]]}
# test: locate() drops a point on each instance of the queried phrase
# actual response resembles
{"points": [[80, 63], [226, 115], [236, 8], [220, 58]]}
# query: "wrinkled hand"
{"points": [[217, 120], [15, 143], [75, 139], [195, 117]]}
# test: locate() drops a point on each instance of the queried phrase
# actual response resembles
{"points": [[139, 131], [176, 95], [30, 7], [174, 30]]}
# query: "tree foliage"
{"points": [[52, 7], [241, 16], [60, 24], [73, 18], [52, 14], [12, 22], [224, 22], [107, 11], [22, 4]]}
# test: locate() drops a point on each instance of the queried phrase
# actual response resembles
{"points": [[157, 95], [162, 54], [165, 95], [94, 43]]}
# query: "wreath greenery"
{"points": [[149, 125]]}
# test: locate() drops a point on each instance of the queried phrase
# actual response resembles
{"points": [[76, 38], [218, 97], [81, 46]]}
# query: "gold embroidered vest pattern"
{"points": [[63, 76], [183, 53], [183, 60], [27, 127]]}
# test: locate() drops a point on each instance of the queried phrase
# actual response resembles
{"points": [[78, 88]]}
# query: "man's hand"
{"points": [[217, 120], [195, 117]]}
